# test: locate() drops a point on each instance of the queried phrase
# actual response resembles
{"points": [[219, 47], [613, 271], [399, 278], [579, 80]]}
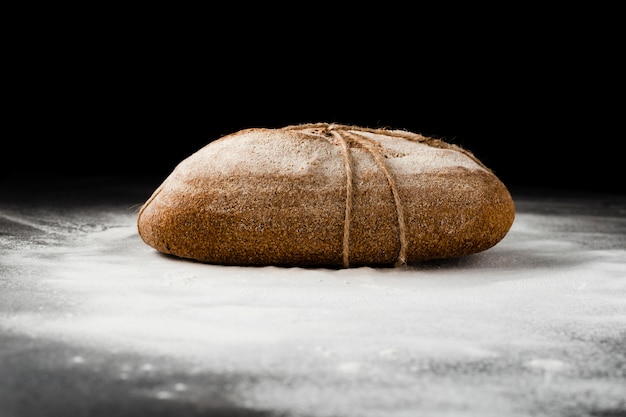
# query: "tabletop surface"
{"points": [[93, 322]]}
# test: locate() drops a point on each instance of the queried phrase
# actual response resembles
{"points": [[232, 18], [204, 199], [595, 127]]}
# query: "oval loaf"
{"points": [[326, 195]]}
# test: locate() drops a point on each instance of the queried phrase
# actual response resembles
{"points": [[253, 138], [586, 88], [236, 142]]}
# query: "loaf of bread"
{"points": [[327, 195]]}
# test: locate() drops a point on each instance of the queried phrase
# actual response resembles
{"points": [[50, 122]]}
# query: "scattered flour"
{"points": [[463, 336]]}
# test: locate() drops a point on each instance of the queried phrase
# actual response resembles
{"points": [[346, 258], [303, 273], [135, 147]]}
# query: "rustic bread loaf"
{"points": [[326, 195]]}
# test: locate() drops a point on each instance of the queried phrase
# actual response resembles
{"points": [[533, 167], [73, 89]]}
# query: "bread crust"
{"points": [[326, 195]]}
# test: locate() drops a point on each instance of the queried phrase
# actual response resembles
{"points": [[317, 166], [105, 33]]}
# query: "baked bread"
{"points": [[326, 195]]}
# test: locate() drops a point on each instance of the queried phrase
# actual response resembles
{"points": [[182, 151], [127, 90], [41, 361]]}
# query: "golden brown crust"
{"points": [[326, 195]]}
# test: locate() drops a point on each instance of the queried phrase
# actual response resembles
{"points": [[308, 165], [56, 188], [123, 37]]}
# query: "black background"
{"points": [[537, 96]]}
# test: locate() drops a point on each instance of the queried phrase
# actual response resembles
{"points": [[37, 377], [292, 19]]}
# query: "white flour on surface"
{"points": [[531, 326]]}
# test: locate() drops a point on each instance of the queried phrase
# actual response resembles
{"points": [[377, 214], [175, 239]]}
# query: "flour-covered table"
{"points": [[93, 322]]}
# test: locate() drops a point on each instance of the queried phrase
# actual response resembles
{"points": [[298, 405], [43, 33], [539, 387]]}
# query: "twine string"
{"points": [[378, 153], [344, 135], [348, 213]]}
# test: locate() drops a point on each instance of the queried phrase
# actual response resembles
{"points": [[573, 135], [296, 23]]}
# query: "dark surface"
{"points": [[43, 378]]}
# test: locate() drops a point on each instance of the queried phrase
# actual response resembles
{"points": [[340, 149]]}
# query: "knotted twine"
{"points": [[345, 136]]}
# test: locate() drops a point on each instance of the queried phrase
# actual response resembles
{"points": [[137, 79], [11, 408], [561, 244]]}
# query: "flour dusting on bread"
{"points": [[327, 195]]}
